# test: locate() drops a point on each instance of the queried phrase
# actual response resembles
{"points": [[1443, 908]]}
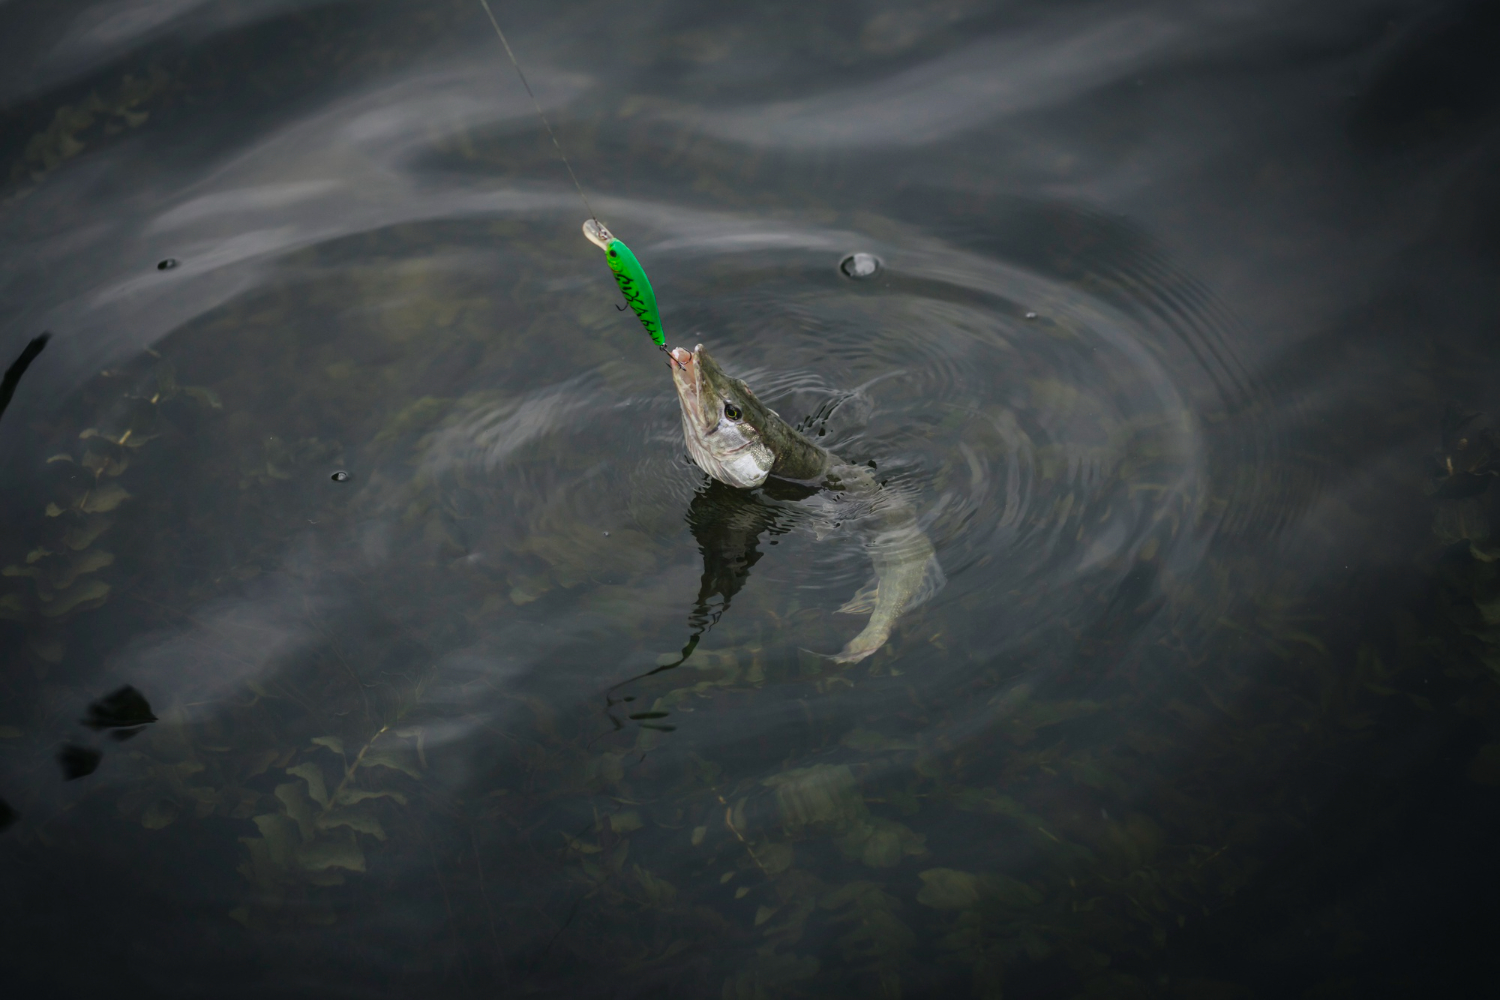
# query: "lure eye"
{"points": [[612, 253], [731, 411]]}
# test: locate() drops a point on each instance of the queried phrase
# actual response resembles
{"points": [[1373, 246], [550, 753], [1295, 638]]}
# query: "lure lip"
{"points": [[597, 234]]}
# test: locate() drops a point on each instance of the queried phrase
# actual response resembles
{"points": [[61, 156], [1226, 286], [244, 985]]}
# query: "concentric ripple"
{"points": [[1040, 451], [1039, 433]]}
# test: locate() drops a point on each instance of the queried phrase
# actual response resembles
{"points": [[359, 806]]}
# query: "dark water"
{"points": [[1174, 300]]}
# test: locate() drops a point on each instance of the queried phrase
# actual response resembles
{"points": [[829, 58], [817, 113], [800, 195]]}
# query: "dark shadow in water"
{"points": [[14, 372], [8, 816], [125, 711], [727, 524], [78, 762]]}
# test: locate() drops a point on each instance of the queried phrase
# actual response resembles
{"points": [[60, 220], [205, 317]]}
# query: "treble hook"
{"points": [[670, 359]]}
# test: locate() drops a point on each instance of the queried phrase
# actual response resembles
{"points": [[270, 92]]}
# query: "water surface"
{"points": [[383, 506]]}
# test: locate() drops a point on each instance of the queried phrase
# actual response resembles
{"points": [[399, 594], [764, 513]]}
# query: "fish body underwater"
{"points": [[740, 441]]}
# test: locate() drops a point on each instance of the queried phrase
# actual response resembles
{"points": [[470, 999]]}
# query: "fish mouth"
{"points": [[687, 376]]}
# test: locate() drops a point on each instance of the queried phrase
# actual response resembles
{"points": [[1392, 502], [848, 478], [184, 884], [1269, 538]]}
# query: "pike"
{"points": [[740, 441]]}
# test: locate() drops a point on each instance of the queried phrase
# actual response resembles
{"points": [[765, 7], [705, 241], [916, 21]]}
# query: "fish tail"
{"points": [[874, 636]]}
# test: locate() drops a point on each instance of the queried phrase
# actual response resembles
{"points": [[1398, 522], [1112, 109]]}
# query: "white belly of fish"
{"points": [[744, 463]]}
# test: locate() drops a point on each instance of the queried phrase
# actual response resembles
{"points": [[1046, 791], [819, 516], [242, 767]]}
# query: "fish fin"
{"points": [[933, 580], [863, 601], [865, 644]]}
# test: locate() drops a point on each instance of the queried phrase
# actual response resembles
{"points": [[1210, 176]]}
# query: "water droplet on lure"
{"points": [[167, 264], [340, 476], [860, 266]]}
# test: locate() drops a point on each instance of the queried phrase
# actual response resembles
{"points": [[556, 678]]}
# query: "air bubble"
{"points": [[860, 266], [167, 264], [340, 476]]}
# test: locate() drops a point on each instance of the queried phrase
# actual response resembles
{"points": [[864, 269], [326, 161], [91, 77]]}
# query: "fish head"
{"points": [[722, 421]]}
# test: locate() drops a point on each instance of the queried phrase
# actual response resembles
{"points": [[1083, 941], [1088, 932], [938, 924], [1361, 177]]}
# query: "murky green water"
{"points": [[383, 507]]}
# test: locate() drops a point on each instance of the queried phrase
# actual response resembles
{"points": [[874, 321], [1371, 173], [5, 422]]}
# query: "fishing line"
{"points": [[537, 104], [645, 312]]}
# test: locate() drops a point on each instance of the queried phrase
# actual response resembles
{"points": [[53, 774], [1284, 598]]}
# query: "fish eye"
{"points": [[731, 411]]}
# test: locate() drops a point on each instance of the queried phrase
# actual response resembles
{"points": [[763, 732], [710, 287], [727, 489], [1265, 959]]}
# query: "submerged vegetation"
{"points": [[65, 555], [748, 820], [1097, 808]]}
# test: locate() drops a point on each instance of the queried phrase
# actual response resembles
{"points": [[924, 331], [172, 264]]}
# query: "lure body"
{"points": [[631, 278]]}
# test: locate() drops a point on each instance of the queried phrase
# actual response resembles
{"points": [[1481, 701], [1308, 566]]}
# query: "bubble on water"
{"points": [[1031, 315], [167, 264], [860, 266], [340, 476]]}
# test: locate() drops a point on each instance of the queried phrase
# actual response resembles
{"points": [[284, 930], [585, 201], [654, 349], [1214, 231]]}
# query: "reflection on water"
{"points": [[367, 629]]}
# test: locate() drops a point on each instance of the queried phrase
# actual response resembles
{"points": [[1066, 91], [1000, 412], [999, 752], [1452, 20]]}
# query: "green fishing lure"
{"points": [[631, 278]]}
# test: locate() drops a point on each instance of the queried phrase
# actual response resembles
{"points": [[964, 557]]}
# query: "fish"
{"points": [[739, 441]]}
